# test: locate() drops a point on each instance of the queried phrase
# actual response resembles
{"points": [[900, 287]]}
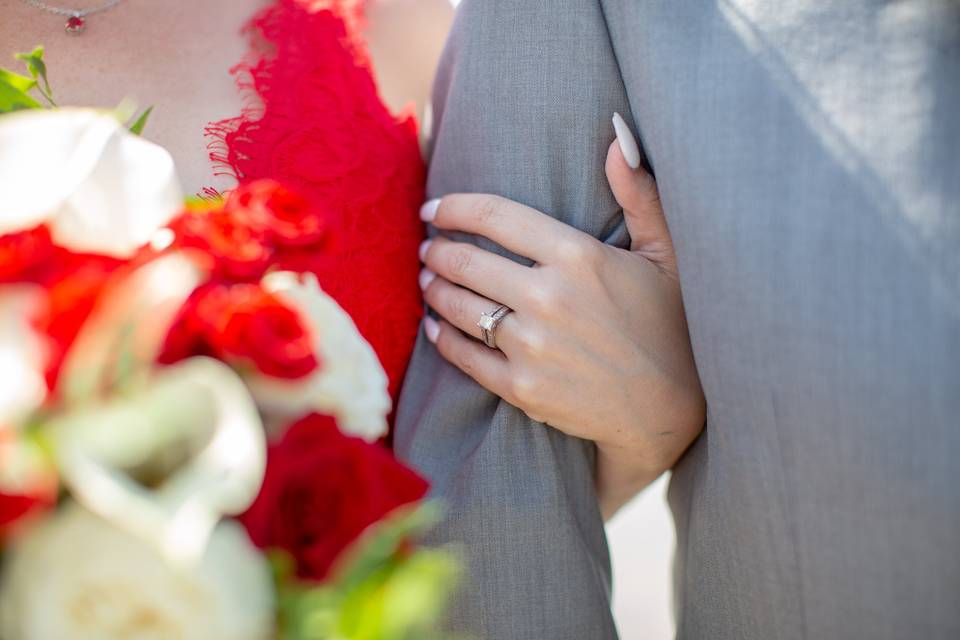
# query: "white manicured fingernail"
{"points": [[426, 277], [429, 210], [423, 249], [431, 328], [628, 144]]}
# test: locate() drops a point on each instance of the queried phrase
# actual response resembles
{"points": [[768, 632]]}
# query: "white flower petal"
{"points": [[41, 162], [132, 317], [99, 187], [76, 576], [351, 385], [22, 357], [198, 405]]}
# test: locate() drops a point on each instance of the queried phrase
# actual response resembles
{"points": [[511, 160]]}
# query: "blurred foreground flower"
{"points": [[81, 578], [351, 385], [22, 356], [28, 482], [322, 490], [98, 187], [142, 353]]}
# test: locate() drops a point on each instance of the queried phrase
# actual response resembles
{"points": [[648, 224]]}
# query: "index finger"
{"points": [[516, 227]]}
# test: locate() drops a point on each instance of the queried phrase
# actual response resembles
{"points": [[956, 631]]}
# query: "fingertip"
{"points": [[622, 179], [627, 142], [429, 210], [616, 165], [424, 247], [426, 277], [431, 328]]}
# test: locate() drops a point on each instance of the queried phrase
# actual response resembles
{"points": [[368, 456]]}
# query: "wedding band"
{"points": [[489, 322]]}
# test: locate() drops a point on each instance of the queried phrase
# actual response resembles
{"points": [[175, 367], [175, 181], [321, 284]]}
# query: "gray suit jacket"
{"points": [[807, 156]]}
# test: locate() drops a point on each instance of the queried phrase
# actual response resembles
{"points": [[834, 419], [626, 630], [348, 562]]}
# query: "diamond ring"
{"points": [[489, 322]]}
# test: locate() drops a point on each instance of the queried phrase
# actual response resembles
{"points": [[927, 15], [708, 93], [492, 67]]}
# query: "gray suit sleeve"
{"points": [[522, 108]]}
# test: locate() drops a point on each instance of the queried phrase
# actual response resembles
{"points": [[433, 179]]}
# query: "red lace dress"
{"points": [[314, 121]]}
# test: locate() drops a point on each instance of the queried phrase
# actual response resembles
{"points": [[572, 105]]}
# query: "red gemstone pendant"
{"points": [[75, 25]]}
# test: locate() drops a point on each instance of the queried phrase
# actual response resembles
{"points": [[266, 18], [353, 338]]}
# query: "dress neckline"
{"points": [[255, 80]]}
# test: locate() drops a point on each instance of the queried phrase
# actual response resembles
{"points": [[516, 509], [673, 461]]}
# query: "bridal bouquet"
{"points": [[188, 436]]}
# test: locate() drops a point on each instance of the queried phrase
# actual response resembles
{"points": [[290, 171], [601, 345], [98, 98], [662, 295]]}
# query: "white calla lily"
{"points": [[199, 408], [100, 188], [351, 385], [120, 415]]}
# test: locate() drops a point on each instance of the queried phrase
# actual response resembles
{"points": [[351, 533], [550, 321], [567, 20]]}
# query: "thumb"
{"points": [[636, 192]]}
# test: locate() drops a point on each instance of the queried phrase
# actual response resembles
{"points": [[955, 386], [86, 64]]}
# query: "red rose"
{"points": [[322, 490], [237, 246], [23, 255], [73, 285], [189, 332], [13, 508], [242, 324], [285, 216]]}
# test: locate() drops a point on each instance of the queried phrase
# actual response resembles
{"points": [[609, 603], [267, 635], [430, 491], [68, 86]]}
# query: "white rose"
{"points": [[78, 577], [350, 385], [100, 188]]}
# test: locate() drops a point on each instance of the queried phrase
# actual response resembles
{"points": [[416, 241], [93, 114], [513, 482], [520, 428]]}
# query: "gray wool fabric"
{"points": [[808, 157]]}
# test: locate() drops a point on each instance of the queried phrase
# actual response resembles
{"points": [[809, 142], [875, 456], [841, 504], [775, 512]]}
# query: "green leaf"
{"points": [[38, 69], [17, 81], [401, 602], [12, 96], [381, 542], [137, 127]]}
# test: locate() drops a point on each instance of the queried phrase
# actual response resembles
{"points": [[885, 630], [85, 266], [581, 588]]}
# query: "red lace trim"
{"points": [[313, 119]]}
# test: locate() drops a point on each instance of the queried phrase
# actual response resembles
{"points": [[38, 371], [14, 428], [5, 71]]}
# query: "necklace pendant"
{"points": [[75, 25]]}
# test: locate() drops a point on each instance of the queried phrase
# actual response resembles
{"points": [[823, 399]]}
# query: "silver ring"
{"points": [[489, 322]]}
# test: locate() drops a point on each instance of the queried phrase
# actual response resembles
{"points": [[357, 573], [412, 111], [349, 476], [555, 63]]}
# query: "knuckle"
{"points": [[524, 388], [581, 252], [533, 342], [458, 310], [545, 299], [467, 361], [652, 201], [460, 260], [487, 210]]}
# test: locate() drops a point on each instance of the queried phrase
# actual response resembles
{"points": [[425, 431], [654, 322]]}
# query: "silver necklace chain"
{"points": [[79, 13]]}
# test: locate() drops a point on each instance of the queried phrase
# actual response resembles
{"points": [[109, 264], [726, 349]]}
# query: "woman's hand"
{"points": [[597, 342]]}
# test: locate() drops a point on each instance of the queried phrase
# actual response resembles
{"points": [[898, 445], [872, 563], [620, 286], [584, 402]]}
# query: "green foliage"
{"points": [[141, 122], [384, 589], [14, 94], [15, 91], [15, 88], [38, 71], [17, 81]]}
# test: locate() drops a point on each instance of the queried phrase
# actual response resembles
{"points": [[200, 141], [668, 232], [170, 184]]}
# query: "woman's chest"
{"points": [[174, 56]]}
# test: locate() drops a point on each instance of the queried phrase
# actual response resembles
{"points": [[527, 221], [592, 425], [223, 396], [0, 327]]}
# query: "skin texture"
{"points": [[176, 54], [597, 344]]}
